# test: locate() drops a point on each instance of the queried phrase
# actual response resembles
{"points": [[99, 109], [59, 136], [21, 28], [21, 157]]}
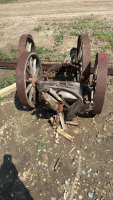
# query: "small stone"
{"points": [[88, 172], [76, 179], [96, 173], [39, 162], [103, 191], [32, 183], [76, 183], [108, 184], [90, 194], [94, 121], [83, 171], [111, 192], [80, 197], [36, 162], [57, 136], [85, 147], [86, 166], [66, 182], [104, 129], [78, 151]]}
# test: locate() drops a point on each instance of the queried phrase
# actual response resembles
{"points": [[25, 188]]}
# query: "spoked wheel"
{"points": [[26, 43], [28, 72], [99, 82], [83, 57]]}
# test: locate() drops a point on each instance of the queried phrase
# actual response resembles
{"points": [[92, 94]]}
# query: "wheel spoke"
{"points": [[34, 66], [28, 87], [29, 47], [28, 72], [37, 71], [31, 65], [31, 94], [34, 95]]}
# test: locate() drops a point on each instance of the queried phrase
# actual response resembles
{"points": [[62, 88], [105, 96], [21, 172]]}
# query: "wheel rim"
{"points": [[83, 57], [28, 71], [100, 79], [26, 43]]}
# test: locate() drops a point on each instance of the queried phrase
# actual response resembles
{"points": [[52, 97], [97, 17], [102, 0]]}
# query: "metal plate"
{"points": [[28, 66], [100, 78], [26, 43], [83, 56]]}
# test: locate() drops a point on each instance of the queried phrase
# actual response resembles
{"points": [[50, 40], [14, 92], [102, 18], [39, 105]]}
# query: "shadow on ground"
{"points": [[18, 104], [10, 185]]}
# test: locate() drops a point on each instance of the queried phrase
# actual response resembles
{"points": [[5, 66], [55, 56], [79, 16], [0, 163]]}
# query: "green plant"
{"points": [[7, 1], [14, 53], [111, 81], [104, 36], [42, 50], [2, 98], [54, 24], [13, 50], [59, 38], [4, 56], [2, 25], [40, 144], [46, 23], [29, 138], [106, 47], [74, 33], [7, 81], [38, 29], [108, 138]]}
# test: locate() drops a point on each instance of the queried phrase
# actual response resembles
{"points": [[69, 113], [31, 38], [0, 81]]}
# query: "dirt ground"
{"points": [[28, 174]]}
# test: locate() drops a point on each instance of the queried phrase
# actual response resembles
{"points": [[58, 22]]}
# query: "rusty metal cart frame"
{"points": [[33, 84]]}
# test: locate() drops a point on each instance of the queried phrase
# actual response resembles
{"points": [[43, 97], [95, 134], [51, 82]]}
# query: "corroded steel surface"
{"points": [[47, 65], [8, 64], [100, 70], [84, 46], [21, 77], [22, 44]]}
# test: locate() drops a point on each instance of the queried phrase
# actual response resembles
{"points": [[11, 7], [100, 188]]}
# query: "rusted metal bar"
{"points": [[47, 65], [8, 64], [110, 70]]}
